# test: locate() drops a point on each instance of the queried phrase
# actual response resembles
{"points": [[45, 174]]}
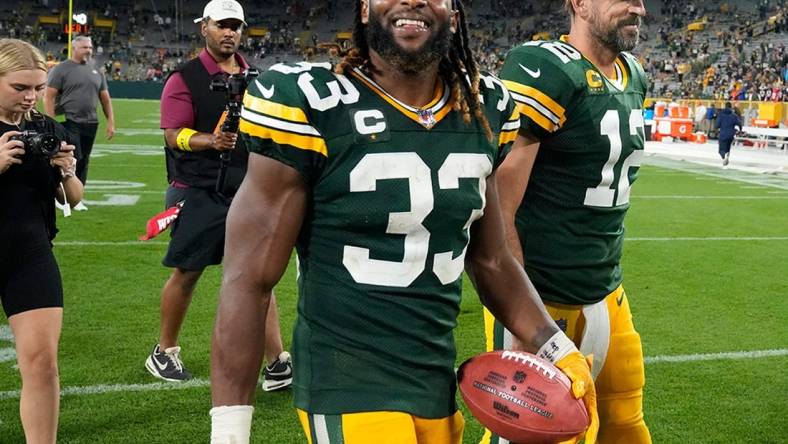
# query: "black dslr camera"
{"points": [[234, 88], [39, 144], [38, 141]]}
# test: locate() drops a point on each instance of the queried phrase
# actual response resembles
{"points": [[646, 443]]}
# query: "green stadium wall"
{"points": [[135, 90]]}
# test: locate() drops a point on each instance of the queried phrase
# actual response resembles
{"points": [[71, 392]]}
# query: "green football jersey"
{"points": [[591, 132], [394, 190]]}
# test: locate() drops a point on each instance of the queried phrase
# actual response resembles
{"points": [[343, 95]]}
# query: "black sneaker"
{"points": [[278, 375], [167, 365]]}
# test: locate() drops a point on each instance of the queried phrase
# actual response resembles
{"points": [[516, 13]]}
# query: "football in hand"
{"points": [[521, 398]]}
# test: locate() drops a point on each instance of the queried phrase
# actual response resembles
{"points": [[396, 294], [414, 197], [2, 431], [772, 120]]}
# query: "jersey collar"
{"points": [[427, 116], [621, 79]]}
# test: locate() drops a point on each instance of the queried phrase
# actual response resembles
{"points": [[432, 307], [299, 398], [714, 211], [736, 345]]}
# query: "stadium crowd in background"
{"points": [[149, 43]]}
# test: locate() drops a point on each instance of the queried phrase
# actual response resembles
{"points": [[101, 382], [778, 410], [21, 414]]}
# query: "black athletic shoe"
{"points": [[167, 365], [278, 375]]}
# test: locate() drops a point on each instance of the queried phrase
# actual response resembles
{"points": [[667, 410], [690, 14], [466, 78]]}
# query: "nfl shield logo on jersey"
{"points": [[427, 118]]}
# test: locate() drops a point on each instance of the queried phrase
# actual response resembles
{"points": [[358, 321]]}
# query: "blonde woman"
{"points": [[34, 171]]}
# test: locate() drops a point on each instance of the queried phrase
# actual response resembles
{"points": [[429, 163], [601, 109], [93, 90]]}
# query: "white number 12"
{"points": [[604, 195]]}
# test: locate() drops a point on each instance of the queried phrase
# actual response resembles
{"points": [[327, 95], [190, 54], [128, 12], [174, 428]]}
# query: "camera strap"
{"points": [[66, 207]]}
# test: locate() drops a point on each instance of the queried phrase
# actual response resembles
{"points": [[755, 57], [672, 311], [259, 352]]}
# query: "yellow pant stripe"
{"points": [[381, 428]]}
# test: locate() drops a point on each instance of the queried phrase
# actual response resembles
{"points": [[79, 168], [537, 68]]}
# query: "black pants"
{"points": [[725, 147], [81, 135]]}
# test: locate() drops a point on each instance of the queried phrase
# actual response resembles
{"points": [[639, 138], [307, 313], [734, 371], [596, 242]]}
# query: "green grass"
{"points": [[688, 297]]}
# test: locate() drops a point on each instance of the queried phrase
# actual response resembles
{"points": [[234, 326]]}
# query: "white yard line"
{"points": [[681, 196], [629, 239], [6, 334], [703, 239], [200, 383], [725, 356], [108, 243]]}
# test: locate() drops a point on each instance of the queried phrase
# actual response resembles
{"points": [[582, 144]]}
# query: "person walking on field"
{"points": [[73, 88], [191, 117], [728, 124]]}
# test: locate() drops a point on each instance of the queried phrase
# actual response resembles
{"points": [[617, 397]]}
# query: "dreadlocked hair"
{"points": [[358, 55], [458, 70]]}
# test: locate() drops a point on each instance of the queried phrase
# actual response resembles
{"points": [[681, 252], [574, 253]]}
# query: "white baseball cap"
{"points": [[219, 10]]}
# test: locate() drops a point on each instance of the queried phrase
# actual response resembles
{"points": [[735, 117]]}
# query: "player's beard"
{"points": [[613, 37], [408, 61]]}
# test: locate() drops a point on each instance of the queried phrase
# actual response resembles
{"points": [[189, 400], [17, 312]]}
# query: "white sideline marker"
{"points": [[627, 239], [200, 383], [682, 196], [717, 356], [670, 239], [108, 243]]}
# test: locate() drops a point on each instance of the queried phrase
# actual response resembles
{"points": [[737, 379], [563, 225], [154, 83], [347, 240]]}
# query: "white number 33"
{"points": [[375, 167]]}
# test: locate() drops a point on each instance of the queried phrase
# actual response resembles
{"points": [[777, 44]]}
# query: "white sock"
{"points": [[231, 424]]}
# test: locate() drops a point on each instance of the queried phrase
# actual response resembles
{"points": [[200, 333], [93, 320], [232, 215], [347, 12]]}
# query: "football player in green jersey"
{"points": [[380, 171], [581, 143]]}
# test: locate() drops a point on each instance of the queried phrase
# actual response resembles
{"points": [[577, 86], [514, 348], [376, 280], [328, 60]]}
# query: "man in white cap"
{"points": [[191, 116], [219, 10]]}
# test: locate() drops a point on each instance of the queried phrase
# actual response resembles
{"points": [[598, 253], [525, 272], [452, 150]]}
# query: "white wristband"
{"points": [[231, 424], [558, 346]]}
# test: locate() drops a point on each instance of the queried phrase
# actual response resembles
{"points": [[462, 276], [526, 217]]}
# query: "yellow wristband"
{"points": [[183, 139]]}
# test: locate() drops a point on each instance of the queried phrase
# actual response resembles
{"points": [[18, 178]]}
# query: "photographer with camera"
{"points": [[36, 167], [204, 168]]}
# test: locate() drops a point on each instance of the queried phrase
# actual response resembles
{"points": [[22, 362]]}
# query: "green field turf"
{"points": [[706, 274]]}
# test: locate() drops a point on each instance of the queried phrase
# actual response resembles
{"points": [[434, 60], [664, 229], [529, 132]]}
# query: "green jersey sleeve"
{"points": [[275, 123], [502, 114], [539, 85]]}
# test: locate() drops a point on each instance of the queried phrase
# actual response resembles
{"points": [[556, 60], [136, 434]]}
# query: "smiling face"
{"points": [[19, 90], [616, 23], [222, 38], [409, 35]]}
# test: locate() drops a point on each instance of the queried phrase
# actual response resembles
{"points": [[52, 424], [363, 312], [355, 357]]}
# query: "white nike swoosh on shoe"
{"points": [[158, 365], [266, 92], [286, 372], [535, 74]]}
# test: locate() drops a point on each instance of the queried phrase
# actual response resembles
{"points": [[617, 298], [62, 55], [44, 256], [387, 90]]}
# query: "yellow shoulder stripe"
{"points": [[625, 76], [507, 136], [309, 143], [274, 109], [537, 95], [537, 117]]}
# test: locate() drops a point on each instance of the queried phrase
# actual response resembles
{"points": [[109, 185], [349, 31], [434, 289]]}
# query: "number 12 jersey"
{"points": [[591, 134]]}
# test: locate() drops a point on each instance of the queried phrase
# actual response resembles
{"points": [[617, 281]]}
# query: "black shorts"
{"points": [[29, 275], [197, 235]]}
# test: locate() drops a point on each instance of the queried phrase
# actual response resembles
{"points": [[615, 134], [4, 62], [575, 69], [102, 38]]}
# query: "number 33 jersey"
{"points": [[591, 137], [394, 190]]}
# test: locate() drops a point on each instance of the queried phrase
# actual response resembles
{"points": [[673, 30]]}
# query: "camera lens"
{"points": [[46, 144]]}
